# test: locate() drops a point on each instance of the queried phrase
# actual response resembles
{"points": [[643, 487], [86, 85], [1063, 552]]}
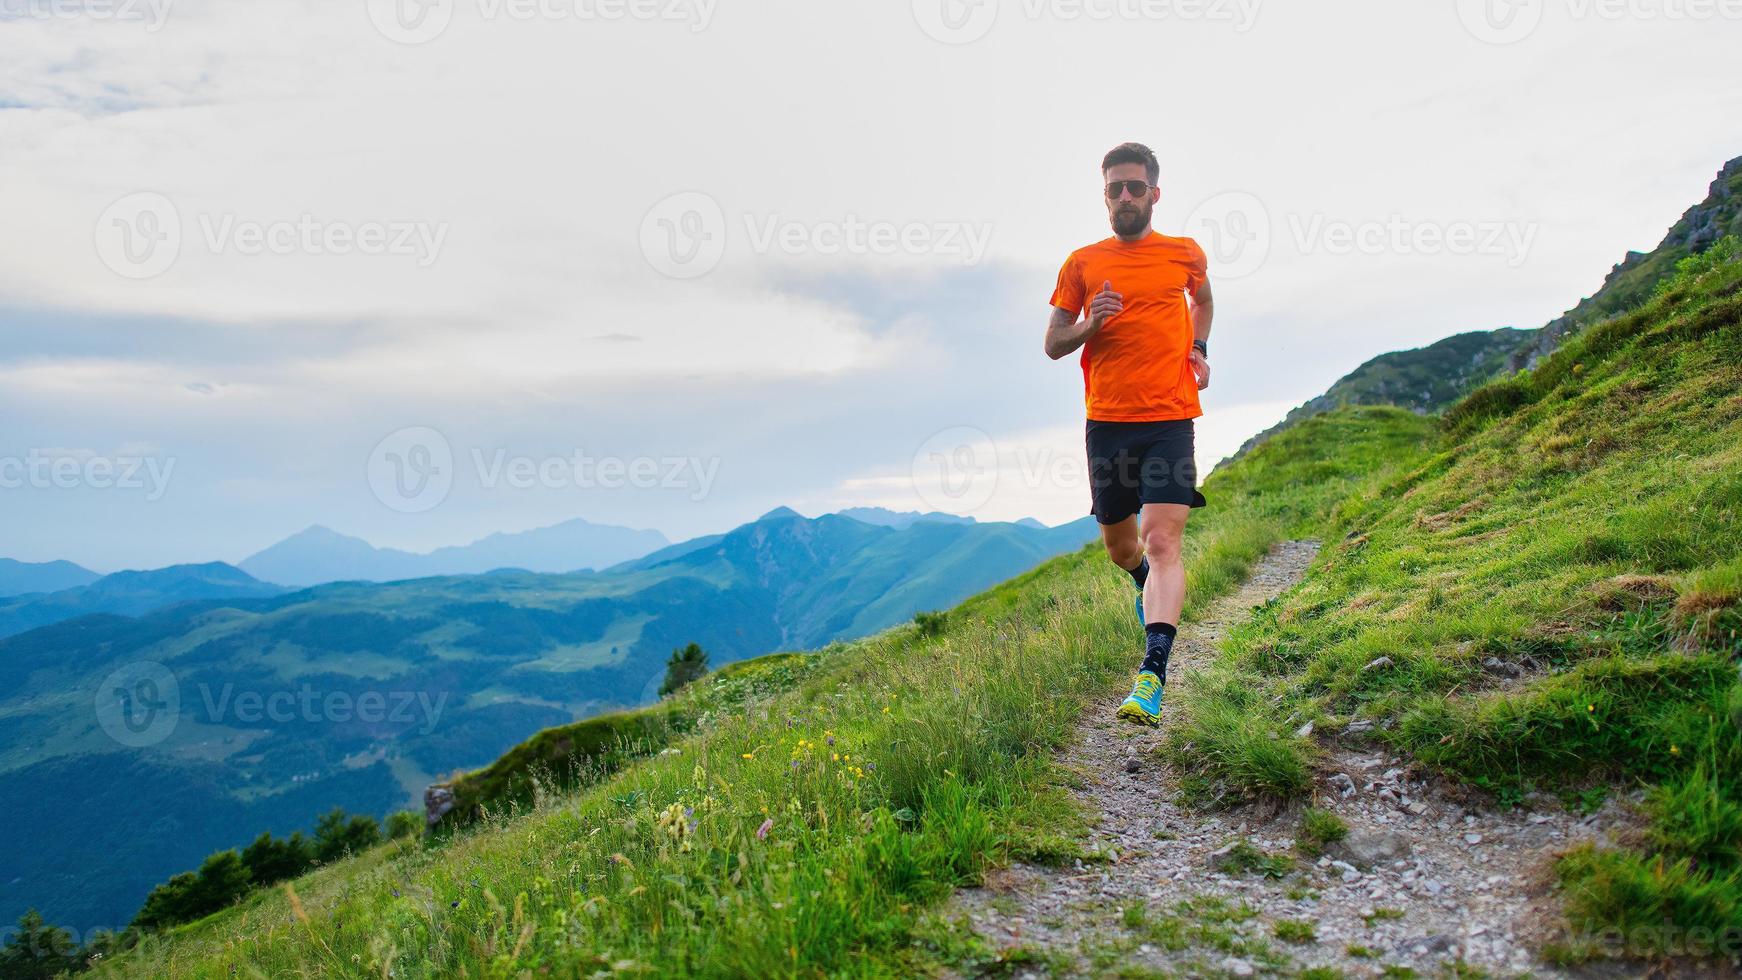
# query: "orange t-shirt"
{"points": [[1138, 368]]}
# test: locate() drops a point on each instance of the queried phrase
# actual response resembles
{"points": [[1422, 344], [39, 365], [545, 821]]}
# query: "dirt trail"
{"points": [[1421, 882]]}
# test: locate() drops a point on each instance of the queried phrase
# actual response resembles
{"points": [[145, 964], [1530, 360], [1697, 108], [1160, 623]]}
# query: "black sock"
{"points": [[1160, 636], [1140, 574]]}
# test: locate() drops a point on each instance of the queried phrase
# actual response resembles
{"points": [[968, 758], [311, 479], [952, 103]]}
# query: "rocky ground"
{"points": [[1427, 880]]}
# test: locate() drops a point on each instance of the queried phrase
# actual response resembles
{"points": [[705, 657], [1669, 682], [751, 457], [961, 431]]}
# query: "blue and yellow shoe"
{"points": [[1143, 704], [1140, 620]]}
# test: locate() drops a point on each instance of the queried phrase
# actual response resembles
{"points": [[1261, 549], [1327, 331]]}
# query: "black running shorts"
{"points": [[1137, 463]]}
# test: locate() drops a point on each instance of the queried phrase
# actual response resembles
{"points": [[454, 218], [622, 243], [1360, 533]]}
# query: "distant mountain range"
{"points": [[318, 555], [1429, 379], [884, 517], [131, 594], [20, 577], [459, 669]]}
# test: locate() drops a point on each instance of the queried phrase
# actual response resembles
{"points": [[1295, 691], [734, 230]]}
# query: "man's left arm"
{"points": [[1203, 311]]}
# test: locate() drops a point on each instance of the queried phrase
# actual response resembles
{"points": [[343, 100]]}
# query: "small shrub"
{"points": [[1319, 828], [931, 623]]}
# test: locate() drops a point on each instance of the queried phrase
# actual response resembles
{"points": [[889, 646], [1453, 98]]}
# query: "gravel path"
{"points": [[1424, 880]]}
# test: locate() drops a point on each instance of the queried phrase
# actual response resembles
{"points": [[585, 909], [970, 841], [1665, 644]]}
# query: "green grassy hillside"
{"points": [[803, 831], [461, 669], [1548, 601], [1424, 380]]}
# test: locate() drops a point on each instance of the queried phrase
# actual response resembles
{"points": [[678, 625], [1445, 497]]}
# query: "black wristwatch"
{"points": [[1203, 348]]}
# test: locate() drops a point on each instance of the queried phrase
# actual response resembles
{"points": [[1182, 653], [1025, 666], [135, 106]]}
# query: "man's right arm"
{"points": [[1065, 333]]}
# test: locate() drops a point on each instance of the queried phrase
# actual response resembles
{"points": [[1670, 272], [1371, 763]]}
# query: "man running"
{"points": [[1124, 301]]}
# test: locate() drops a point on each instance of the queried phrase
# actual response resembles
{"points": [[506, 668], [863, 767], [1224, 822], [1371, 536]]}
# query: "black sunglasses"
{"points": [[1136, 188]]}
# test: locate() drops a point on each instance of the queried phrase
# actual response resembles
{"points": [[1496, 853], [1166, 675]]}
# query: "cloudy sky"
{"points": [[420, 271]]}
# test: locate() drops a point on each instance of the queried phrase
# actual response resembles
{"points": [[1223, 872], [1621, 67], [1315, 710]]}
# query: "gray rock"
{"points": [[1435, 945], [1220, 858], [1378, 663], [1494, 665], [1364, 849], [437, 801], [1133, 763], [1237, 967], [1344, 786]]}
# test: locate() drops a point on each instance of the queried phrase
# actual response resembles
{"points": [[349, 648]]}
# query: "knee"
{"points": [[1125, 554], [1161, 544]]}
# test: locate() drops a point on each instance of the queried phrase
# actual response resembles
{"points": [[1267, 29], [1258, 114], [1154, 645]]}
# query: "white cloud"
{"points": [[537, 149]]}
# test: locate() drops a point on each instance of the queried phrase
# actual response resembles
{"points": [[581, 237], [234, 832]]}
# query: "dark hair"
{"points": [[1133, 153]]}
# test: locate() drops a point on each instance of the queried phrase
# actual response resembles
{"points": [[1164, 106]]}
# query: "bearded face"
{"points": [[1130, 199], [1131, 217]]}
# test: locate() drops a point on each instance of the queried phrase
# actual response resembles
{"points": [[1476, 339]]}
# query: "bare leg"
{"points": [[1164, 527], [1122, 543]]}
